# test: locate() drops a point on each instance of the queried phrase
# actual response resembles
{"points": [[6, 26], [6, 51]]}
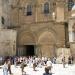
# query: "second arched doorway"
{"points": [[47, 42]]}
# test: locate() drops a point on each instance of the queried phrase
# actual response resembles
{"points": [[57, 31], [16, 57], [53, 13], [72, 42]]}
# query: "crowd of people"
{"points": [[33, 62]]}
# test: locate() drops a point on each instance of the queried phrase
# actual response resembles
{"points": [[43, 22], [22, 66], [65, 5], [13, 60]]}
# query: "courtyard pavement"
{"points": [[56, 70]]}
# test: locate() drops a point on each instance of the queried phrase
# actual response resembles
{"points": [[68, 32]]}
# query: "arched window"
{"points": [[29, 10], [70, 4], [46, 8]]}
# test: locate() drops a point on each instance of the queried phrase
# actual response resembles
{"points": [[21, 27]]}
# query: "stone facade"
{"points": [[40, 33]]}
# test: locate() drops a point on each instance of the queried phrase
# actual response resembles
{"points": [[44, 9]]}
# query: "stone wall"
{"points": [[7, 42]]}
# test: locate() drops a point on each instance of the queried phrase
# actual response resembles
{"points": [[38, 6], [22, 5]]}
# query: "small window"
{"points": [[70, 4], [29, 10], [46, 8], [2, 20]]}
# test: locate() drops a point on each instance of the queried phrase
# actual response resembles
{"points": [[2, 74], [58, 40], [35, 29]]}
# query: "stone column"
{"points": [[70, 29], [38, 50], [71, 35]]}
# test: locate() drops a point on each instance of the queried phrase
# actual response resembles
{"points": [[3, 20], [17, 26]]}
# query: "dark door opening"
{"points": [[30, 50]]}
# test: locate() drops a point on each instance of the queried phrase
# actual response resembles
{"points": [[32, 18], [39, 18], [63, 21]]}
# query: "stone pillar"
{"points": [[70, 29], [70, 36], [38, 50]]}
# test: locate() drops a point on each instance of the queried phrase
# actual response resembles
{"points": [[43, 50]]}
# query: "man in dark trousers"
{"points": [[23, 64], [9, 66]]}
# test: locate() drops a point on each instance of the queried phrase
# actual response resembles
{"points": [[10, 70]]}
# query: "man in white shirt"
{"points": [[49, 64]]}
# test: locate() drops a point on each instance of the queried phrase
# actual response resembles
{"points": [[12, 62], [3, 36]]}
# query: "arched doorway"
{"points": [[47, 44], [30, 50], [26, 46]]}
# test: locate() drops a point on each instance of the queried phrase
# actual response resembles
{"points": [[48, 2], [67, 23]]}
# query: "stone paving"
{"points": [[57, 70]]}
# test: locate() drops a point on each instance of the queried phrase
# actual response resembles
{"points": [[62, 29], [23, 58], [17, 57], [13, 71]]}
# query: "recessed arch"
{"points": [[26, 43], [26, 38], [48, 31], [47, 43], [47, 38], [46, 8]]}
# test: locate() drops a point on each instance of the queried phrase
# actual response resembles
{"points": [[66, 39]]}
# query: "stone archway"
{"points": [[47, 44], [27, 43]]}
